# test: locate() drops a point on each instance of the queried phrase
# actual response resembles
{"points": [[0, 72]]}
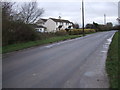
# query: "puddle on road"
{"points": [[105, 46], [89, 74]]}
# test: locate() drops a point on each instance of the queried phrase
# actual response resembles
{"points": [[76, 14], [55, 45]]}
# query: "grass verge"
{"points": [[19, 46], [113, 62]]}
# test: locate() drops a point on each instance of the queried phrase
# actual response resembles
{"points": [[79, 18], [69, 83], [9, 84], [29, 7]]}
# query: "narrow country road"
{"points": [[76, 63]]}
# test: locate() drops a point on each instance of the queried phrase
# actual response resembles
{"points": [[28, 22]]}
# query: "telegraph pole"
{"points": [[83, 18], [104, 19]]}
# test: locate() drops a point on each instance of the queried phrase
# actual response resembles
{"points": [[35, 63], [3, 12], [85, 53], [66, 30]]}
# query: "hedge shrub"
{"points": [[80, 31], [61, 33]]}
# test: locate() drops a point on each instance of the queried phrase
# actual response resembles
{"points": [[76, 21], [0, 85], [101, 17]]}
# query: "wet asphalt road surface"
{"points": [[76, 63]]}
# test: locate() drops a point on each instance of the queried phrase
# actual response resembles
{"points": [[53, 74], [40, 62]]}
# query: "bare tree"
{"points": [[6, 21], [7, 10], [29, 12], [118, 19], [76, 26]]}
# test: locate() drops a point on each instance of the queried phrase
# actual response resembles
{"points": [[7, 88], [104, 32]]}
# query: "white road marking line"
{"points": [[106, 45], [33, 74], [103, 51]]}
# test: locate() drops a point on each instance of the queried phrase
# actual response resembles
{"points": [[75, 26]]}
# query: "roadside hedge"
{"points": [[80, 31], [61, 33]]}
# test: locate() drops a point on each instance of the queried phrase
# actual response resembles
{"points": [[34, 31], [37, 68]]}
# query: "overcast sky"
{"points": [[71, 10]]}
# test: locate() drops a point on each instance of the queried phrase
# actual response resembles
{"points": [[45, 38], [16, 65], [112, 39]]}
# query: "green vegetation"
{"points": [[113, 62], [46, 38], [100, 27], [19, 46]]}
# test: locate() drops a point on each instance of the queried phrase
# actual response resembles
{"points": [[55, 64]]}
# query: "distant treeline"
{"points": [[101, 27]]}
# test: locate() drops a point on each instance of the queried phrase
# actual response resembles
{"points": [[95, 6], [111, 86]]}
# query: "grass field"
{"points": [[19, 46], [113, 63]]}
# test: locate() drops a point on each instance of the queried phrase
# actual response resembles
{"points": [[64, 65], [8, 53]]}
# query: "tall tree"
{"points": [[118, 19], [76, 26], [109, 25], [7, 10], [91, 26], [30, 12], [6, 21], [96, 26]]}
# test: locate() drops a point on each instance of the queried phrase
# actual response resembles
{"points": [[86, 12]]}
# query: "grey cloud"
{"points": [[94, 11]]}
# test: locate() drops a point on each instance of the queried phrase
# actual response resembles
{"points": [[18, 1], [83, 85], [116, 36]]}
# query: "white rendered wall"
{"points": [[50, 25]]}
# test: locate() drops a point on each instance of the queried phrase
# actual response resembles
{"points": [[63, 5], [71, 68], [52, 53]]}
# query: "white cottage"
{"points": [[40, 28], [53, 24], [40, 25]]}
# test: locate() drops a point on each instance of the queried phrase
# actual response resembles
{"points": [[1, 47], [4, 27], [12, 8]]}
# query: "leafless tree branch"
{"points": [[30, 12]]}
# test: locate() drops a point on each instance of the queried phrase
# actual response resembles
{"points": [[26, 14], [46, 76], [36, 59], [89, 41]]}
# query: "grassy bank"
{"points": [[113, 63], [19, 46]]}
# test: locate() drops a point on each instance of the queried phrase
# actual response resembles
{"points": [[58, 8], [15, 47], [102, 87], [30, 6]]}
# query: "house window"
{"points": [[56, 23], [60, 23]]}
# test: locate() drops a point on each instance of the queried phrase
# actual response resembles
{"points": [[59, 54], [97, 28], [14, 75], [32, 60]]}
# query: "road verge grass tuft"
{"points": [[112, 62]]}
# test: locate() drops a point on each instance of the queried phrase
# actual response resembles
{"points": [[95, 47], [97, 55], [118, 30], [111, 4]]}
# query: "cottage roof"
{"points": [[40, 26], [44, 20], [60, 20], [37, 26]]}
